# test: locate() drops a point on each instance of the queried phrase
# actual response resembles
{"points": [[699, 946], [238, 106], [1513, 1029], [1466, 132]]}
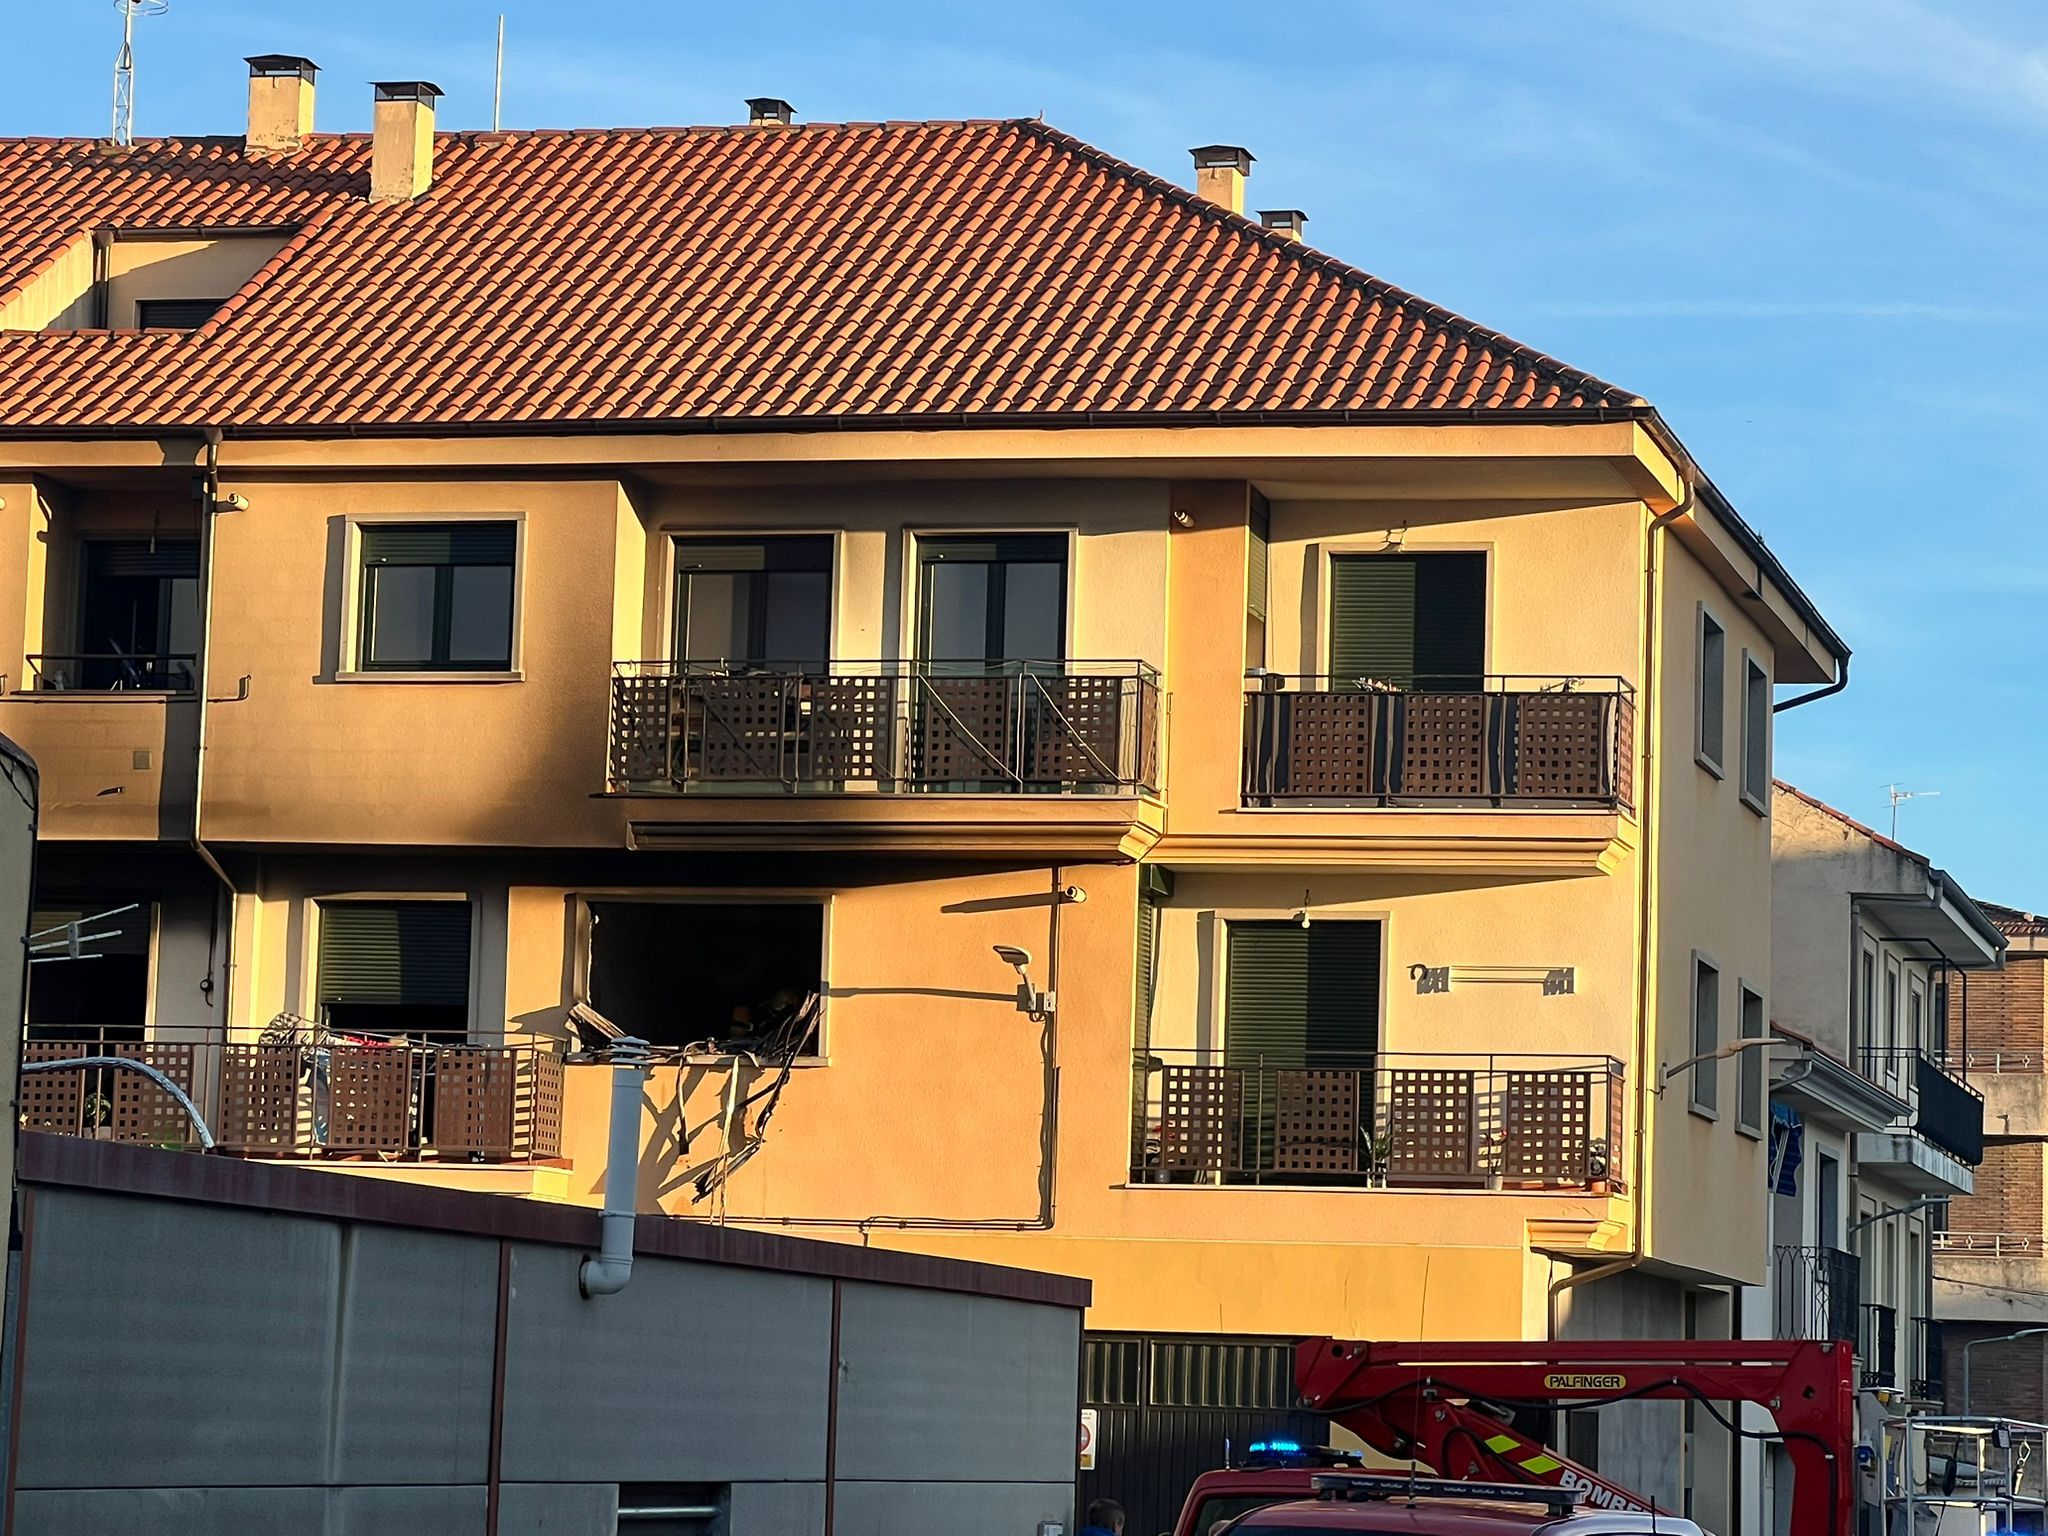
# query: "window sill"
{"points": [[1704, 1111], [1710, 765], [1753, 1132], [1755, 804], [509, 675], [97, 695]]}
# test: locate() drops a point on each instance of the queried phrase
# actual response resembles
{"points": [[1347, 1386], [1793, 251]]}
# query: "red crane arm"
{"points": [[1430, 1401]]}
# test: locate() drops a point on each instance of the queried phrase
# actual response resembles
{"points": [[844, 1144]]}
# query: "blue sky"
{"points": [[1814, 232]]}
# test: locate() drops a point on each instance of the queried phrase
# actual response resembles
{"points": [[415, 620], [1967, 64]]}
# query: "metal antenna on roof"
{"points": [[498, 82], [124, 65], [1900, 796]]}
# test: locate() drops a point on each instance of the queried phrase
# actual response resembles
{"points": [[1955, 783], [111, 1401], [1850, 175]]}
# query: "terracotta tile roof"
{"points": [[705, 277], [1852, 823], [2014, 923]]}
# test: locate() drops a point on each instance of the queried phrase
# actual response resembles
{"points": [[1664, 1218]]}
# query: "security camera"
{"points": [[1301, 917], [236, 502], [1073, 893], [1010, 954]]}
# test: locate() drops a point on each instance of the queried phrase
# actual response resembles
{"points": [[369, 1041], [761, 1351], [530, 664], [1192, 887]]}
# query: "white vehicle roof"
{"points": [[1623, 1525]]}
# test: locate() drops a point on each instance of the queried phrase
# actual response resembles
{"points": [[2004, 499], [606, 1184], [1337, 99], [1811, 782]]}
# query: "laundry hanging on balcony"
{"points": [[1788, 1149]]}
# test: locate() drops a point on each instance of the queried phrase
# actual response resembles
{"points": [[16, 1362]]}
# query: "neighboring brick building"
{"points": [[1991, 1261]]}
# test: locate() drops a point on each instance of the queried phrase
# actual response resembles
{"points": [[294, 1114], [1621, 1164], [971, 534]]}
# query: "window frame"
{"points": [[675, 614], [308, 1001], [1335, 552], [1703, 1086], [916, 542], [1756, 720], [1752, 1089], [1707, 624], [354, 590], [1212, 948], [825, 900]]}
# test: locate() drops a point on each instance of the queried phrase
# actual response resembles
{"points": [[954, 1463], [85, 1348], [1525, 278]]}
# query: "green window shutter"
{"points": [[1410, 620], [1296, 996], [1148, 968], [462, 543], [394, 952], [1258, 560], [144, 557]]}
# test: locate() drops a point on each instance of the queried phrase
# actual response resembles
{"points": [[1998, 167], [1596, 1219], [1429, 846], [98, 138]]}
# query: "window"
{"points": [[679, 973], [1756, 735], [1258, 580], [1892, 1062], [1916, 1015], [1301, 997], [138, 617], [394, 967], [1827, 1201], [1865, 1020], [437, 597], [1706, 1035], [1410, 621], [1749, 1102], [759, 602], [1002, 598], [1713, 662], [175, 314], [106, 987]]}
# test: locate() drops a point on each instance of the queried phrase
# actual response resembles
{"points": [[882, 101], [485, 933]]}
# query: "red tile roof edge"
{"points": [[1336, 266]]}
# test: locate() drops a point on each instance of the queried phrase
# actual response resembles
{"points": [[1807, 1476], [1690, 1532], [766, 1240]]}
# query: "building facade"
{"points": [[1875, 1126], [1990, 1278], [1145, 751]]}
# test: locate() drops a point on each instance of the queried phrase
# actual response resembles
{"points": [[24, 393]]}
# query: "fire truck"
{"points": [[1451, 1407]]}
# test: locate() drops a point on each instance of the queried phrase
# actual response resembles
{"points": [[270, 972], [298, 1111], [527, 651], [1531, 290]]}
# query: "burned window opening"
{"points": [[711, 977]]}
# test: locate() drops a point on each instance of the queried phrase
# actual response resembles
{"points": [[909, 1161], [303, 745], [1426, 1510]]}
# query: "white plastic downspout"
{"points": [[607, 1272]]}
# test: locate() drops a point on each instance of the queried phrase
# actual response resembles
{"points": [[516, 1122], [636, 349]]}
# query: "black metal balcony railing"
{"points": [[308, 1093], [973, 727], [1927, 1359], [1505, 740], [1381, 1120], [1877, 1344], [112, 672], [1947, 1112], [1814, 1294]]}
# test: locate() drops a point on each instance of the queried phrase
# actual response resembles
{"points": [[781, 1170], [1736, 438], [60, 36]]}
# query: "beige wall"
{"points": [[60, 296], [181, 269], [1712, 896]]}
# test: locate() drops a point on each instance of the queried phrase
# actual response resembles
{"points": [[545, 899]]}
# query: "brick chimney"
{"points": [[402, 140], [1220, 172], [769, 112], [1284, 221], [280, 102]]}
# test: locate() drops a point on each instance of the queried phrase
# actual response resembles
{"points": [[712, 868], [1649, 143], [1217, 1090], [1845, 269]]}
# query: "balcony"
{"points": [[1506, 741], [305, 1094], [1814, 1294], [1927, 1359], [1378, 1121], [970, 757], [112, 672], [1941, 1139]]}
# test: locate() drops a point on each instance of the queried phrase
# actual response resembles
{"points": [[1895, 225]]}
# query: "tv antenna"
{"points": [[124, 65], [1900, 795]]}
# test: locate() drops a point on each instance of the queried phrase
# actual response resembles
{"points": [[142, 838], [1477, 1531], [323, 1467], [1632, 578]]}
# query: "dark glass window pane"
{"points": [[956, 611], [480, 615], [401, 616], [1031, 613], [797, 618], [716, 617]]}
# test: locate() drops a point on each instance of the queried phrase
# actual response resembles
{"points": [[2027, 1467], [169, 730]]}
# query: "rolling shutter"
{"points": [[394, 952], [1148, 968], [1416, 621], [1297, 996], [462, 543], [174, 558]]}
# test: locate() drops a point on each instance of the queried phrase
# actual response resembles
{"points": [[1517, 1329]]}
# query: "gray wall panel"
{"points": [[419, 1332], [413, 1511], [778, 1509], [891, 1509], [170, 1342], [171, 1512], [558, 1509], [693, 1373], [978, 1387]]}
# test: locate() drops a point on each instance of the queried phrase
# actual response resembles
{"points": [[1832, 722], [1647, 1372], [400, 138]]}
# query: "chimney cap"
{"points": [[281, 64], [769, 109], [407, 90], [1283, 218], [1224, 154]]}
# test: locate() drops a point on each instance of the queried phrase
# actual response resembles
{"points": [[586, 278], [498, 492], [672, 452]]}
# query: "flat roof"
{"points": [[74, 1162]]}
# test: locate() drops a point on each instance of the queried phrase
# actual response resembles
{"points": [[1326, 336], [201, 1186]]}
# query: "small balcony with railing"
{"points": [[1934, 1147], [1505, 741], [1877, 1344], [1048, 754], [1379, 1120], [366, 1102], [1816, 1294]]}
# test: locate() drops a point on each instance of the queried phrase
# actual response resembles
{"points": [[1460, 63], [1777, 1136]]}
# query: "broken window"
{"points": [[681, 973], [89, 969]]}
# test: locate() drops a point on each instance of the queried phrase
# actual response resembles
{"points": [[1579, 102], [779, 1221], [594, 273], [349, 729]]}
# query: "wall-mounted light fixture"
{"points": [[1036, 1002], [1555, 980]]}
